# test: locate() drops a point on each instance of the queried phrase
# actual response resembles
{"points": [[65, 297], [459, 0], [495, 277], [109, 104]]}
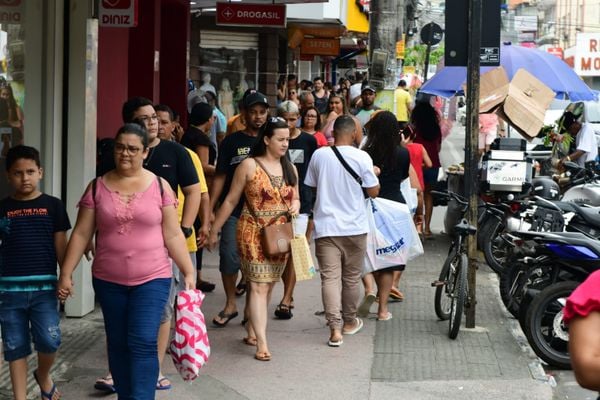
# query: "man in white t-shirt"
{"points": [[585, 140], [341, 226]]}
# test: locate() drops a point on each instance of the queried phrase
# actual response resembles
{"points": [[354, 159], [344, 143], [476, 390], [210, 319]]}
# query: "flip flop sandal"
{"points": [[160, 386], [46, 395], [250, 341], [105, 384], [262, 356], [283, 311], [240, 289], [226, 317]]}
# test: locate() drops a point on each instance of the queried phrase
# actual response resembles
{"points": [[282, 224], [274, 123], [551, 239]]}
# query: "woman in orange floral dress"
{"points": [[269, 182]]}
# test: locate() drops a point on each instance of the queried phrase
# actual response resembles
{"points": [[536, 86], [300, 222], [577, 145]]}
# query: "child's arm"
{"points": [[60, 246], [82, 234], [426, 160]]}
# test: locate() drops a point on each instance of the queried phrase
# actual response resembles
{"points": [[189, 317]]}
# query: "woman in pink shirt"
{"points": [[134, 216]]}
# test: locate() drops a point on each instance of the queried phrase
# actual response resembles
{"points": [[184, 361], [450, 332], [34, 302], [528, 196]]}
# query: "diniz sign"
{"points": [[321, 47], [11, 11], [118, 13], [245, 14]]}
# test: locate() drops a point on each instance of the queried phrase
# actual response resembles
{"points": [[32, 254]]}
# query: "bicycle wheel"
{"points": [[442, 297], [458, 295]]}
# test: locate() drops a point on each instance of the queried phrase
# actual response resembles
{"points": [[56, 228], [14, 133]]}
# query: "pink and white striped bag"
{"points": [[189, 348]]}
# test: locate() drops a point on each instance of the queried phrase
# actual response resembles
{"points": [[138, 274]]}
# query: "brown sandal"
{"points": [[262, 356]]}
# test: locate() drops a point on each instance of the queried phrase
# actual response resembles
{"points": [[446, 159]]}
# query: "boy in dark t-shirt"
{"points": [[36, 239]]}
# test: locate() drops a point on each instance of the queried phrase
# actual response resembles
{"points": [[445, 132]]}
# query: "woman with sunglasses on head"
{"points": [[269, 183], [131, 277]]}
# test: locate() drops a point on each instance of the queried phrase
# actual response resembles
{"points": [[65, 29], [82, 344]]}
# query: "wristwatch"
{"points": [[187, 232]]}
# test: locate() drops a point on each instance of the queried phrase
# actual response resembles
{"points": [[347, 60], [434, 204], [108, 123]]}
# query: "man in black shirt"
{"points": [[234, 149]]}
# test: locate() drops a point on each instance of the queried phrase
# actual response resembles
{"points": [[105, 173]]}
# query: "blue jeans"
{"points": [[131, 320], [20, 309]]}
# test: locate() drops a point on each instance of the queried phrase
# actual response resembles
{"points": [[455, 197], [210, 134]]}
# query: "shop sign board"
{"points": [[11, 11], [321, 47], [118, 13], [587, 54], [556, 51], [246, 14]]}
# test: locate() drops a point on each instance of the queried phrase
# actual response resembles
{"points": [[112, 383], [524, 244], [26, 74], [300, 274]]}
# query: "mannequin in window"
{"points": [[226, 99], [243, 84], [206, 86]]}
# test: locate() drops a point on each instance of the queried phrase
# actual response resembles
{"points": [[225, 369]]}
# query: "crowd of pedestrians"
{"points": [[163, 194]]}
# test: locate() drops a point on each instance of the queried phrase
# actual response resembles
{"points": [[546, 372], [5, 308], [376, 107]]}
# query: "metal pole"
{"points": [[471, 152], [426, 67]]}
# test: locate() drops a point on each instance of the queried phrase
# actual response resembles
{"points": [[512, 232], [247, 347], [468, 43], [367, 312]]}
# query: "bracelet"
{"points": [[568, 158]]}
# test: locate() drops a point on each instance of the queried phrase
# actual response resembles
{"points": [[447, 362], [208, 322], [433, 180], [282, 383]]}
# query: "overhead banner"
{"points": [[11, 11], [245, 14], [118, 13]]}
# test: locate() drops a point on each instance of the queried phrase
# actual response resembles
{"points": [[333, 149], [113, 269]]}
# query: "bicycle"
{"points": [[451, 287]]}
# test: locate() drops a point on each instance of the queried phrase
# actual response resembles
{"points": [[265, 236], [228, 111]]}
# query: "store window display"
{"points": [[226, 99], [206, 86]]}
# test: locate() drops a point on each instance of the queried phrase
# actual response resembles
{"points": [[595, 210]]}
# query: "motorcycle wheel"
{"points": [[545, 330], [442, 299], [494, 247]]}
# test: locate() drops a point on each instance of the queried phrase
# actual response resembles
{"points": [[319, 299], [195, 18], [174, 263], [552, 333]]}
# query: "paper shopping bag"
{"points": [[302, 258]]}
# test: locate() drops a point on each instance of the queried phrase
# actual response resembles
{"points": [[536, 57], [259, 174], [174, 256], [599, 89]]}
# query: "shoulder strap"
{"points": [[160, 185], [94, 188], [345, 164]]}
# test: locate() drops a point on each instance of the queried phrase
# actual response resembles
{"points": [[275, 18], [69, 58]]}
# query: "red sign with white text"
{"points": [[244, 14], [557, 51], [118, 13]]}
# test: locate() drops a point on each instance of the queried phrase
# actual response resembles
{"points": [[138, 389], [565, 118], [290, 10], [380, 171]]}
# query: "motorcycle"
{"points": [[542, 260]]}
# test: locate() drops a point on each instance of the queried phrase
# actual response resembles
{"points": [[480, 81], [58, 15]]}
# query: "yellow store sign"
{"points": [[356, 15]]}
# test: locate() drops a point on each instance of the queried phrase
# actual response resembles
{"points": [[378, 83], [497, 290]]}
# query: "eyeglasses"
{"points": [[311, 115], [145, 119], [275, 120], [120, 148]]}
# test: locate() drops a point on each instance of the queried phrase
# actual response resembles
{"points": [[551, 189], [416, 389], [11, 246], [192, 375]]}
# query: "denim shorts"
{"points": [[19, 311], [229, 258], [177, 285]]}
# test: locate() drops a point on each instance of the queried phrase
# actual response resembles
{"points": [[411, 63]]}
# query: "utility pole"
{"points": [[471, 139], [385, 29]]}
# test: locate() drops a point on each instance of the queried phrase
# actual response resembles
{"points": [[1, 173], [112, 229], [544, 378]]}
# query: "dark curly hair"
{"points": [[383, 139], [426, 121]]}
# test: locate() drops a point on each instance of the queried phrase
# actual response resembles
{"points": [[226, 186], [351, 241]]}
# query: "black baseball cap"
{"points": [[368, 87], [200, 114], [253, 98]]}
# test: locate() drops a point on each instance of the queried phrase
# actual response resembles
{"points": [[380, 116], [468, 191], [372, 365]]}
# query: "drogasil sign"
{"points": [[245, 14], [11, 11], [118, 13]]}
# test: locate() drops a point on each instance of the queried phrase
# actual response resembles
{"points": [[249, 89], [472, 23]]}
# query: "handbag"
{"points": [[189, 348], [275, 238]]}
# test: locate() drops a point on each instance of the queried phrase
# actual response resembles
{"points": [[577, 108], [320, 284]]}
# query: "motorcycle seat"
{"points": [[565, 206], [464, 228], [591, 215]]}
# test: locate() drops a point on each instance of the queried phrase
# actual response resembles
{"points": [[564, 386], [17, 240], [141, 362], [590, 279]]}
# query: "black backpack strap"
{"points": [[348, 167], [94, 189], [160, 185]]}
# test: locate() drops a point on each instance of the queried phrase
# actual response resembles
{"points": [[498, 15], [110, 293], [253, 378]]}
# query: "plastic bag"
{"points": [[410, 195], [392, 239], [189, 347]]}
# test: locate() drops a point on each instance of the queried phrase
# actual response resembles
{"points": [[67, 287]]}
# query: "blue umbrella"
{"points": [[548, 68]]}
